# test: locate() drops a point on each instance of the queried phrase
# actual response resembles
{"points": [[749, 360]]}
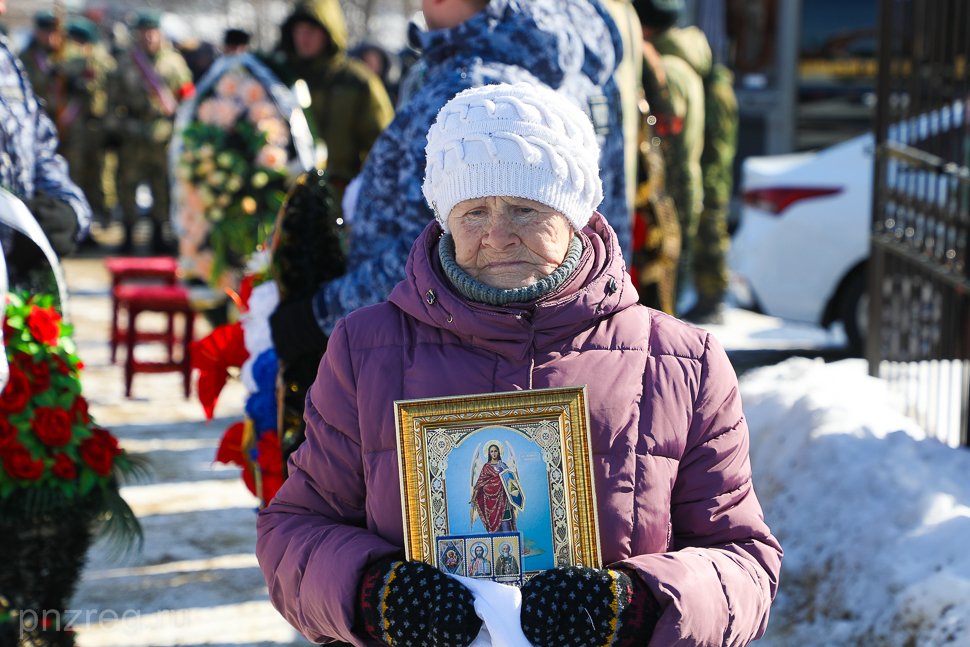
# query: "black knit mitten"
{"points": [[583, 606], [411, 604]]}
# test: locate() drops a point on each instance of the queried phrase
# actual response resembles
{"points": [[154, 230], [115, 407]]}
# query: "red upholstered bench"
{"points": [[171, 300], [125, 269]]}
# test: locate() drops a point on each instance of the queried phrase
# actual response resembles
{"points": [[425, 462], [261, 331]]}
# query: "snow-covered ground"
{"points": [[873, 516]]}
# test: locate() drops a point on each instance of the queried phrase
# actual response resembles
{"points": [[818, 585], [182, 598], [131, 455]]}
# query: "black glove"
{"points": [[295, 331], [58, 220], [587, 606], [413, 604]]}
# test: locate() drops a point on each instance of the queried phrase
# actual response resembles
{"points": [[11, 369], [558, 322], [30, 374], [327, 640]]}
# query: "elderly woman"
{"points": [[519, 284]]}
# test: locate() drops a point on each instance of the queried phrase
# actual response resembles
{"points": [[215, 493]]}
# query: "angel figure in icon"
{"points": [[497, 495]]}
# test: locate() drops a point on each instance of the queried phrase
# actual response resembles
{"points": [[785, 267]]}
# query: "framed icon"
{"points": [[498, 485]]}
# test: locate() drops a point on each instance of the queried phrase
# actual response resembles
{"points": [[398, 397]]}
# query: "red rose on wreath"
{"points": [[64, 467], [17, 394], [62, 366], [52, 426], [44, 325], [39, 373], [21, 465], [8, 434], [79, 410], [99, 451]]}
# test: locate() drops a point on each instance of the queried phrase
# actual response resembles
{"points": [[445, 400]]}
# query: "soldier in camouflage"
{"points": [[87, 66], [708, 262], [349, 106], [683, 60], [31, 169], [717, 165], [40, 59], [143, 95]]}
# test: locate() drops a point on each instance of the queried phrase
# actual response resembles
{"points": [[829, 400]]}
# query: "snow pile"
{"points": [[873, 516]]}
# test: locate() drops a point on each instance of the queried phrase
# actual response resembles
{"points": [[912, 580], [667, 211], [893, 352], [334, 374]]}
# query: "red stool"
{"points": [[168, 299], [123, 269]]}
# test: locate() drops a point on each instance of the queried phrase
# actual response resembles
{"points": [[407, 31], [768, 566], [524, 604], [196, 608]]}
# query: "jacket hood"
{"points": [[326, 13], [688, 43], [553, 39], [599, 287]]}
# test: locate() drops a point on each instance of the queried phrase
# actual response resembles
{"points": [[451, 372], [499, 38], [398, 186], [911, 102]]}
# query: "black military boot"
{"points": [[159, 245], [128, 244]]}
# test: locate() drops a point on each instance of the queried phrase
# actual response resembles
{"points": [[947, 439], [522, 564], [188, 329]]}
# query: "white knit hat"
{"points": [[521, 140]]}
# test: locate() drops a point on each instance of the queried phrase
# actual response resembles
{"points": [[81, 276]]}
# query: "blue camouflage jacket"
{"points": [[570, 45], [29, 162]]}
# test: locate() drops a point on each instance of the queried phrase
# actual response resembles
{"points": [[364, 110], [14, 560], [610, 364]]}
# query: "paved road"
{"points": [[196, 581]]}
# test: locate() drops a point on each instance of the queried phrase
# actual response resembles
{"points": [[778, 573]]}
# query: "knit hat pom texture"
{"points": [[518, 140]]}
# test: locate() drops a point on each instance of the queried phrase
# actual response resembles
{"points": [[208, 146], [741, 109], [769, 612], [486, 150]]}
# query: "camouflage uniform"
{"points": [[686, 58], [717, 168], [41, 70], [41, 65], [710, 239], [87, 66], [349, 106], [142, 96]]}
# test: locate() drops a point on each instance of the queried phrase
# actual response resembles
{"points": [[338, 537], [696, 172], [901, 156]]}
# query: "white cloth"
{"points": [[257, 335], [499, 607], [519, 140], [349, 202]]}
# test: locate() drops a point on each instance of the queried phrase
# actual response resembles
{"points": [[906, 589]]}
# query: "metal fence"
{"points": [[919, 276]]}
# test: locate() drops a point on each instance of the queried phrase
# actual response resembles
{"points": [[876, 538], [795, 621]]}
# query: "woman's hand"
{"points": [[413, 604]]}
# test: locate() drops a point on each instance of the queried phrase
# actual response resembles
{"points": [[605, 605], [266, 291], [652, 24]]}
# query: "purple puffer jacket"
{"points": [[669, 442]]}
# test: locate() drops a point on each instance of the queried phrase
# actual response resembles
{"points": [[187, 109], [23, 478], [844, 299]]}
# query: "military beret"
{"points": [[82, 30], [658, 13], [148, 20], [45, 19]]}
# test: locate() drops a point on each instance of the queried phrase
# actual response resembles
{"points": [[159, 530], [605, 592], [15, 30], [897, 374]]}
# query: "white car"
{"points": [[802, 244]]}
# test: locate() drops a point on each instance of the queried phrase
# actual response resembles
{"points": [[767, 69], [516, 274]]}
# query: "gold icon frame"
{"points": [[556, 420]]}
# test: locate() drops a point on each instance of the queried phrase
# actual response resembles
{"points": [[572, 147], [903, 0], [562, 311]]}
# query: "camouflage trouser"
{"points": [[717, 163], [685, 189], [83, 148], [710, 254], [141, 160]]}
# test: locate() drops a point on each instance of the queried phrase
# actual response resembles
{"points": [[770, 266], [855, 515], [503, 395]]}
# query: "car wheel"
{"points": [[854, 312]]}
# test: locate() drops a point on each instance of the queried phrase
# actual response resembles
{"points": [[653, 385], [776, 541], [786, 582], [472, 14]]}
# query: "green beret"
{"points": [[659, 13], [83, 30], [45, 19], [148, 20]]}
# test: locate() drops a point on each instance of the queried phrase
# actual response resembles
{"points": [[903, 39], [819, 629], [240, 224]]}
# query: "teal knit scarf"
{"points": [[479, 292]]}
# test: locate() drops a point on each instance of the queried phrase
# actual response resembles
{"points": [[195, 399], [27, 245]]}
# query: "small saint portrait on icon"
{"points": [[496, 491], [451, 560], [479, 565], [506, 563]]}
